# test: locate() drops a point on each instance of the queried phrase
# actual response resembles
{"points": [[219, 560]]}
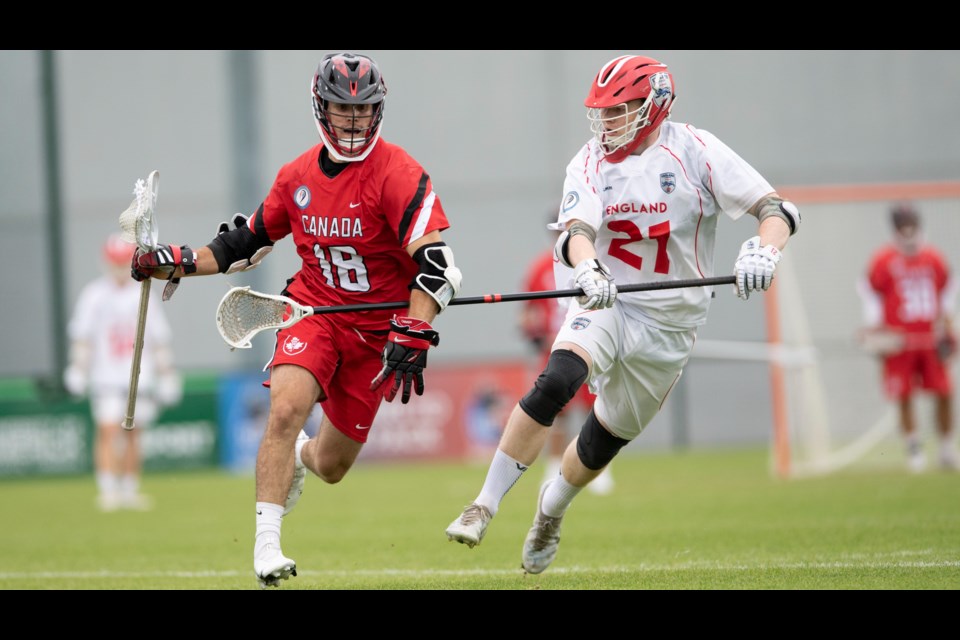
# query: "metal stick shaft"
{"points": [[137, 353]]}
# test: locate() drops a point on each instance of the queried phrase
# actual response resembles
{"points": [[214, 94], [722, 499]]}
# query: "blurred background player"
{"points": [[908, 298], [540, 320], [102, 332]]}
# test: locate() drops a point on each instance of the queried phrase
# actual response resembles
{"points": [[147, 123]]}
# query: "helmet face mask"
{"points": [[347, 94], [643, 90]]}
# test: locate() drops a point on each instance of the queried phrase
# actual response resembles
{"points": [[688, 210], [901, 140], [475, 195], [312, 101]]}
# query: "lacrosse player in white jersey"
{"points": [[102, 333], [641, 204]]}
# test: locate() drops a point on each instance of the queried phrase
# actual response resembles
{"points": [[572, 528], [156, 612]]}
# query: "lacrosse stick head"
{"points": [[138, 223], [243, 313]]}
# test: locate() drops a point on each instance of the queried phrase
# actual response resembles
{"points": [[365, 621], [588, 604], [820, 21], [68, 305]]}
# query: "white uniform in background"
{"points": [[106, 319], [102, 333]]}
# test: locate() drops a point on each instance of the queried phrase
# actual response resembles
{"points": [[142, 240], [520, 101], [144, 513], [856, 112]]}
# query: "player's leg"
{"points": [[131, 460], [523, 438], [556, 444], [107, 415], [898, 372], [293, 394], [936, 379], [107, 466], [631, 392]]}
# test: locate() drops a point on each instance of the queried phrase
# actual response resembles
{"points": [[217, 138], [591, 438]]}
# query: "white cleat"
{"points": [[471, 526], [136, 502], [949, 460], [540, 546], [271, 566], [916, 460], [299, 477], [109, 502]]}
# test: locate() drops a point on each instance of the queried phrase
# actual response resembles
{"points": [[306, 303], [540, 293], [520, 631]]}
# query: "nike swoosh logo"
{"points": [[259, 513], [401, 340], [354, 206], [361, 428]]}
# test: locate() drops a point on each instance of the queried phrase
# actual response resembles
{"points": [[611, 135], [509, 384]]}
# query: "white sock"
{"points": [[912, 440], [503, 473], [558, 497], [297, 449], [269, 517], [106, 483], [129, 485]]}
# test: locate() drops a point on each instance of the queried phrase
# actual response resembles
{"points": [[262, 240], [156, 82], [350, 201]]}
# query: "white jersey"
{"points": [[656, 217], [106, 318]]}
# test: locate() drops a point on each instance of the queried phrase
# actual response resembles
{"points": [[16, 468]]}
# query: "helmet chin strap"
{"points": [[336, 153]]}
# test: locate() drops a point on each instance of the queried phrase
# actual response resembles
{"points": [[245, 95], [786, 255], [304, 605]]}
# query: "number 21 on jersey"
{"points": [[659, 232]]}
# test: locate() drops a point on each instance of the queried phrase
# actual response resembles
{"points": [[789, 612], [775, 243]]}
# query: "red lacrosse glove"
{"points": [[405, 355]]}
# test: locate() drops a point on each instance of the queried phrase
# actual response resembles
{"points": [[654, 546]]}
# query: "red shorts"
{"points": [[910, 370], [343, 360]]}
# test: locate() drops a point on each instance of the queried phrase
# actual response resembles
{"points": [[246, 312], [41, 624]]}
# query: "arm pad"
{"points": [[783, 209], [576, 229], [245, 245], [439, 276]]}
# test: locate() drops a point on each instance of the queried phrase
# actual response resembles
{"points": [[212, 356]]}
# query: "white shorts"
{"points": [[634, 365], [110, 407]]}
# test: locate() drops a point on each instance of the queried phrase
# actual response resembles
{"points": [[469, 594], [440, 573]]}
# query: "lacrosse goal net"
{"points": [[829, 412]]}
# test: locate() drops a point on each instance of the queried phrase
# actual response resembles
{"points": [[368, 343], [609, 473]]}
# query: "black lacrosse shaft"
{"points": [[532, 295]]}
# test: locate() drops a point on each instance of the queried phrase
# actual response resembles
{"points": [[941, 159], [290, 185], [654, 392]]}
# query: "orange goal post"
{"points": [[828, 410]]}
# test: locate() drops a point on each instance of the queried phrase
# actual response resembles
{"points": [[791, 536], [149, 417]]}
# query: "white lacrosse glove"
{"points": [[240, 220], [75, 381], [169, 389], [597, 283], [755, 267]]}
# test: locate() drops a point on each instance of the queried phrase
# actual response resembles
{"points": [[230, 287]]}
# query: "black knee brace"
{"points": [[596, 446], [559, 382]]}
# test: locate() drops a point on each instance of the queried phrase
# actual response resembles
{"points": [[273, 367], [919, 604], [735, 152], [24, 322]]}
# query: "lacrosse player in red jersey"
{"points": [[641, 203], [908, 292], [366, 222], [102, 332]]}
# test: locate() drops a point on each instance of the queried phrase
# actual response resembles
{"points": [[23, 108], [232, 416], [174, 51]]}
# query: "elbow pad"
{"points": [[439, 277], [239, 249]]}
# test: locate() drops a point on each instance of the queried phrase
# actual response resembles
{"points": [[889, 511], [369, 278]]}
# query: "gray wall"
{"points": [[494, 129]]}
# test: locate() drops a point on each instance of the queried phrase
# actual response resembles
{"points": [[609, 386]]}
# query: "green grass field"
{"points": [[705, 521]]}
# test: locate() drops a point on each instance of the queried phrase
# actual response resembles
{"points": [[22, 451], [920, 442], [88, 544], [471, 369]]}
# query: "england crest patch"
{"points": [[580, 324], [668, 182]]}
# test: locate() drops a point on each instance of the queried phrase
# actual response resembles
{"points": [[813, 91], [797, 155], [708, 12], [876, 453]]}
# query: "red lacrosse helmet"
{"points": [[621, 81], [117, 251], [353, 79]]}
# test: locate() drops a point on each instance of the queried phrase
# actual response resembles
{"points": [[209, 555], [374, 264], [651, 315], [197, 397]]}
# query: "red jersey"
{"points": [[352, 230], [542, 318], [911, 287]]}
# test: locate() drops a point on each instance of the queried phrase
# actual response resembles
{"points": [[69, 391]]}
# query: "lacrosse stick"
{"points": [[243, 313], [139, 224]]}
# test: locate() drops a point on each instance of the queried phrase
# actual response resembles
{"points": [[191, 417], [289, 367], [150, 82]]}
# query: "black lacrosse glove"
{"points": [[164, 260], [405, 355]]}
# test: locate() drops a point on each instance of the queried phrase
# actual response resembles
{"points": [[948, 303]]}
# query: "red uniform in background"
{"points": [[910, 289], [908, 294], [540, 319]]}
